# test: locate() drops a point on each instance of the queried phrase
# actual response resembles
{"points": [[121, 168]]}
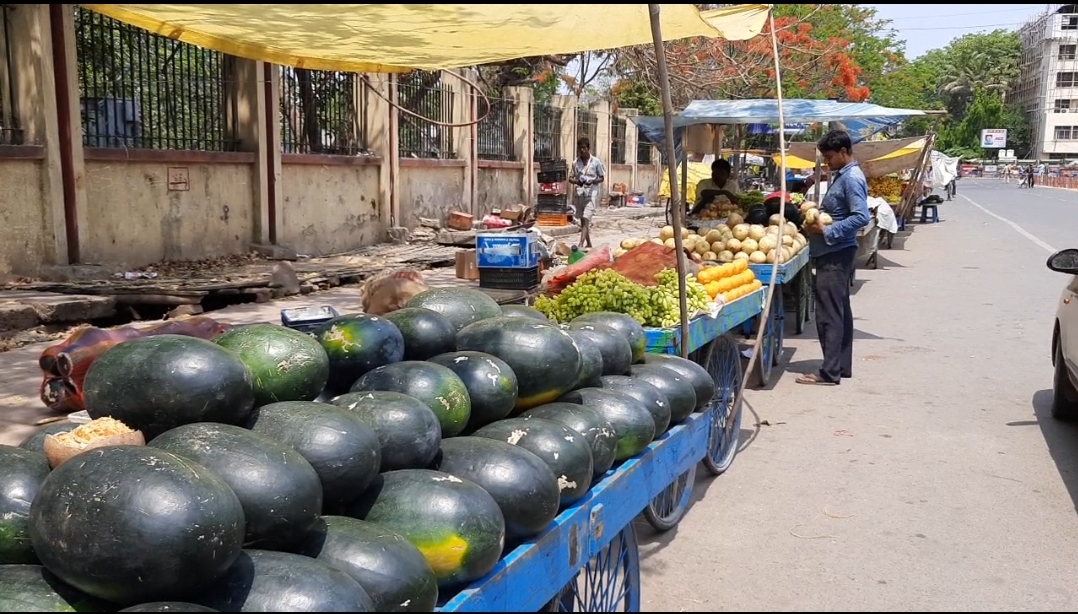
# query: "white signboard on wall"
{"points": [[994, 138]]}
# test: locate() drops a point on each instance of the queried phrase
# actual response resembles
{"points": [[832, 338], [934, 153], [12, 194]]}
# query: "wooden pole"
{"points": [[676, 208]]}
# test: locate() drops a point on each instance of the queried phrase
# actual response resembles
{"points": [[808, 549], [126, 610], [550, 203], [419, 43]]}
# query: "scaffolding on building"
{"points": [[1049, 62]]}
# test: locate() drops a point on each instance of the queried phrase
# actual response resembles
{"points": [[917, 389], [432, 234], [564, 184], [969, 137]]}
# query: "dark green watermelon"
{"points": [[564, 450], [168, 606], [153, 384], [596, 429], [456, 524], [522, 484], [702, 382], [544, 358], [632, 422], [150, 524], [591, 358], [677, 389], [394, 573], [651, 397], [285, 364], [342, 448], [357, 344], [437, 386], [264, 581], [491, 384], [523, 311], [426, 332], [36, 441], [408, 431], [626, 325], [280, 492], [614, 346], [32, 588], [21, 475], [461, 306]]}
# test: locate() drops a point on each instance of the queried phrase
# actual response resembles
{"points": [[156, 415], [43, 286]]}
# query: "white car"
{"points": [[1065, 339]]}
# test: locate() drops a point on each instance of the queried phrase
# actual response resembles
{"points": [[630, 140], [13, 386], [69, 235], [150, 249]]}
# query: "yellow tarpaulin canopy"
{"points": [[883, 157], [698, 171], [401, 37]]}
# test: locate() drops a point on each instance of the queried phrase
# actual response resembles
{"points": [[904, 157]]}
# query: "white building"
{"points": [[1047, 87]]}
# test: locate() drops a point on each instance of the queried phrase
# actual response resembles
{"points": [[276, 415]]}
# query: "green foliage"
{"points": [[637, 95], [986, 110]]}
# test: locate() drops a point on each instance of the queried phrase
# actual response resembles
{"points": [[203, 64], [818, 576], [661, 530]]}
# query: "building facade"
{"points": [[1047, 87]]}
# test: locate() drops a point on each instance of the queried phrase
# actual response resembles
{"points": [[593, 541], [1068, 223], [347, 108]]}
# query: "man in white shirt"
{"points": [[719, 184], [587, 174]]}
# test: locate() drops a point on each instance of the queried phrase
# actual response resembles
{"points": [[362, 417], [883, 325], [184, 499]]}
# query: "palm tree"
{"points": [[960, 79]]}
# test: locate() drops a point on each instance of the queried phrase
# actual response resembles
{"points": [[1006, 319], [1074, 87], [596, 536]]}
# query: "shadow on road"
{"points": [[1062, 440]]}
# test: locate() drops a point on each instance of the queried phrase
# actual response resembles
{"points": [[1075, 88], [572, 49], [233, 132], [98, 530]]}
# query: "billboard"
{"points": [[994, 138]]}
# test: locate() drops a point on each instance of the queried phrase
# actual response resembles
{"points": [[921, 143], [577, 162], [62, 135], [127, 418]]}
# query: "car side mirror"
{"points": [[1064, 261]]}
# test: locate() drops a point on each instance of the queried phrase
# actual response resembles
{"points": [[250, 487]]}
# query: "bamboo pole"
{"points": [[677, 209]]}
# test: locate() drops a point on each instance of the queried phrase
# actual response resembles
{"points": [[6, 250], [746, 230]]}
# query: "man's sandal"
{"points": [[813, 379]]}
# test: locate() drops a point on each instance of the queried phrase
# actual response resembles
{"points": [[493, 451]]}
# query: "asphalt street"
{"points": [[935, 480]]}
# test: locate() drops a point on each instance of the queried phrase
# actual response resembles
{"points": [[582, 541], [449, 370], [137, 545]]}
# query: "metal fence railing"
{"points": [[546, 133], [496, 133], [587, 124], [10, 134], [644, 152], [142, 90], [424, 94], [323, 112], [617, 140]]}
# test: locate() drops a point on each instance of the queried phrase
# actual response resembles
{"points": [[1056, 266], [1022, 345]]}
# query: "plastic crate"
{"points": [[502, 278], [306, 319], [554, 166], [552, 200], [553, 176], [556, 188], [552, 210], [553, 219]]}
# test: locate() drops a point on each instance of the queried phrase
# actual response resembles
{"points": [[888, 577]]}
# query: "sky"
{"points": [[931, 26]]}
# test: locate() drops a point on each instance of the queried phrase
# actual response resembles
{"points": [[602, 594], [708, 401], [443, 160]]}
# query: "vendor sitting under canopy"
{"points": [[761, 214], [719, 184]]}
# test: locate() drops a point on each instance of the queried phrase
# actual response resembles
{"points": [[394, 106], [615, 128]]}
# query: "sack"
{"points": [[642, 263], [391, 291], [568, 275]]}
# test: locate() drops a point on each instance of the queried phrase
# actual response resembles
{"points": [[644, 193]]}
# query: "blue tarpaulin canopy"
{"points": [[860, 119]]}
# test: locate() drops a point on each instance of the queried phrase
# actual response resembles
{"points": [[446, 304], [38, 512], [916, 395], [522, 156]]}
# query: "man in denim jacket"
{"points": [[832, 249]]}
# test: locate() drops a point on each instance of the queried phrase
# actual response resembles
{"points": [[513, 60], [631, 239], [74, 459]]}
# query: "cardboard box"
{"points": [[516, 250], [512, 212], [460, 221], [466, 265]]}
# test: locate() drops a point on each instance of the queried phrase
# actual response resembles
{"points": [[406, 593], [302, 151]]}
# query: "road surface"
{"points": [[935, 480]]}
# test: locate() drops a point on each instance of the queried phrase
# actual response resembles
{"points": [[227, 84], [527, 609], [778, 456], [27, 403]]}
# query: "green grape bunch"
{"points": [[665, 297], [604, 290]]}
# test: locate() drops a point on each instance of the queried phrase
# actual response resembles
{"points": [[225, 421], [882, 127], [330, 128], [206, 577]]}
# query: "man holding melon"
{"points": [[832, 234]]}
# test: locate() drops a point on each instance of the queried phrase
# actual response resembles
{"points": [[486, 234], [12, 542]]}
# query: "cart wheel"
{"points": [[610, 582], [668, 508], [765, 363], [804, 296], [778, 315], [724, 365]]}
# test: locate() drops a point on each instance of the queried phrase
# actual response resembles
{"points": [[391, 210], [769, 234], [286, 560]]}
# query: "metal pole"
{"points": [[676, 208]]}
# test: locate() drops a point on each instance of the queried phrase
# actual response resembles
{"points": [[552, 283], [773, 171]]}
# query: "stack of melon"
{"points": [[448, 432]]}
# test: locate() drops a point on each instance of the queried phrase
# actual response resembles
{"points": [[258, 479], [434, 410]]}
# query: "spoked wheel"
{"points": [[804, 300], [778, 315], [771, 342], [610, 582], [668, 508], [724, 365]]}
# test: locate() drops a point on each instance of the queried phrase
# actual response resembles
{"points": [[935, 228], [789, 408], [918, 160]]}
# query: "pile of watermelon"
{"points": [[378, 464]]}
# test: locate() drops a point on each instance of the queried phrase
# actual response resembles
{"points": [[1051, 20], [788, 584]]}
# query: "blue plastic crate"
{"points": [[306, 319], [508, 250]]}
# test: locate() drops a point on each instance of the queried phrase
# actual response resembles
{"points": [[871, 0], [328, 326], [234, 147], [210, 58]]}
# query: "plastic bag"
{"points": [[568, 275]]}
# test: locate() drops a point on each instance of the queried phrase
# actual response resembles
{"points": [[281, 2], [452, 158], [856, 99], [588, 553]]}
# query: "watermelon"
{"points": [[36, 441], [32, 588], [426, 332], [21, 475], [280, 492], [523, 311], [457, 525], [437, 386], [591, 359], [394, 573], [626, 325], [132, 524], [702, 382], [357, 344], [544, 358], [153, 384], [168, 606], [285, 364], [651, 397], [633, 425], [596, 429], [491, 384], [408, 431], [522, 484], [461, 306], [678, 390], [564, 450], [614, 346], [343, 450], [264, 581]]}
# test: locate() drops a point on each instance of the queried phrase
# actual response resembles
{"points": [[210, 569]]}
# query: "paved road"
{"points": [[935, 480]]}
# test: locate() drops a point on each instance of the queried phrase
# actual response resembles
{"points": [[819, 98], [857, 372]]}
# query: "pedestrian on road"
{"points": [[588, 173], [833, 249]]}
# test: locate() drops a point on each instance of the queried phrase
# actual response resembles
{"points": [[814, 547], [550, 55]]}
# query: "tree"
{"points": [[986, 110], [974, 62]]}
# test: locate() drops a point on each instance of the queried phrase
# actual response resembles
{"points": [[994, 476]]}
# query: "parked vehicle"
{"points": [[1065, 339]]}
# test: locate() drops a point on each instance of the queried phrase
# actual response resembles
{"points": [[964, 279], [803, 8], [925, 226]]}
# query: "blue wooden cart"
{"points": [[793, 287]]}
